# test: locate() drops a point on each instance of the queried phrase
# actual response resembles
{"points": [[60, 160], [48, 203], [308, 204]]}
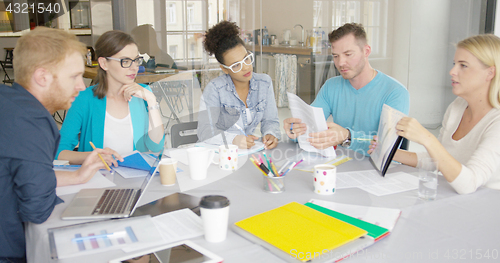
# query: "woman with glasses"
{"points": [[234, 104], [117, 113]]}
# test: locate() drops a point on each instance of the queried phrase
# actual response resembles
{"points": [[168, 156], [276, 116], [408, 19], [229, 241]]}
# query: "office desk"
{"points": [[452, 226]]}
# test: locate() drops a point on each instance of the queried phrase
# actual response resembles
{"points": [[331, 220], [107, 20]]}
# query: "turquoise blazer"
{"points": [[87, 115]]}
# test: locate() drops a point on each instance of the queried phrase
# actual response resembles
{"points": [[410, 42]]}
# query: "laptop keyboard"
{"points": [[114, 201]]}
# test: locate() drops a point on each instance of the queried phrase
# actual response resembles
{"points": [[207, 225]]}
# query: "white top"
{"points": [[118, 134], [249, 116], [478, 151]]}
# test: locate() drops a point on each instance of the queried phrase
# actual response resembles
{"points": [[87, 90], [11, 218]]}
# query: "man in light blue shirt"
{"points": [[355, 99]]}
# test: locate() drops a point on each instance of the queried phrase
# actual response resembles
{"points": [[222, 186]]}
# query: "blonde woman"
{"points": [[468, 148]]}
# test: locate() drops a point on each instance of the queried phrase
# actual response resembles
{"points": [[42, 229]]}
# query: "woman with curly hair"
{"points": [[235, 103]]}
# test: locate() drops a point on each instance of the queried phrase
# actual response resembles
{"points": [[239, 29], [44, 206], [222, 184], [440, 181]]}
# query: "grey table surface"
{"points": [[453, 227]]}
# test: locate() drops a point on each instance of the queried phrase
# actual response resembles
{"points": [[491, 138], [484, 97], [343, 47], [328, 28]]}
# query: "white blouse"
{"points": [[118, 134]]}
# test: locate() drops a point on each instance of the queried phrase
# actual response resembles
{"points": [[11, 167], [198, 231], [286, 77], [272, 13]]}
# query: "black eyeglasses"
{"points": [[127, 62]]}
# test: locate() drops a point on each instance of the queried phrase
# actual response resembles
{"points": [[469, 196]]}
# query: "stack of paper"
{"points": [[298, 233]]}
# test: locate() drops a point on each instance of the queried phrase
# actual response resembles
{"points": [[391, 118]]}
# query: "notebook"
{"points": [[302, 234], [388, 139], [108, 202], [377, 232]]}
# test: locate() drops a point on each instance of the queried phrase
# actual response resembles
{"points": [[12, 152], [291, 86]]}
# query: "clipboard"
{"points": [[388, 140]]}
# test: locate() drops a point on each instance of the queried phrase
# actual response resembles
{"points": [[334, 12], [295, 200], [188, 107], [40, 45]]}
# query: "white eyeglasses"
{"points": [[238, 66]]}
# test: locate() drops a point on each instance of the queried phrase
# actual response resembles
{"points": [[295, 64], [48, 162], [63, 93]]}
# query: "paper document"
{"points": [[98, 181], [96, 237], [371, 182], [387, 138], [314, 118], [174, 226], [384, 217]]}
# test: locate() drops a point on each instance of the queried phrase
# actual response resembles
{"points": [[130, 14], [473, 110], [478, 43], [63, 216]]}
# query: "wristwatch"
{"points": [[154, 107], [347, 142]]}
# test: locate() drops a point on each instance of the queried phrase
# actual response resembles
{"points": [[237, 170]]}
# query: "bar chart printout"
{"points": [[96, 237]]}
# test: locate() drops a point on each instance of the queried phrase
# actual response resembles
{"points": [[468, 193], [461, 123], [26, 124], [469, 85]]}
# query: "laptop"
{"points": [[108, 203]]}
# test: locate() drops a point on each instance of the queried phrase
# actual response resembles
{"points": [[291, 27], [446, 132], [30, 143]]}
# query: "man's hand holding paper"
{"points": [[314, 122], [334, 135]]}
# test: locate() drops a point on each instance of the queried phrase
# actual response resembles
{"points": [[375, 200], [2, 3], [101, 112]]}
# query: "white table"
{"points": [[453, 227]]}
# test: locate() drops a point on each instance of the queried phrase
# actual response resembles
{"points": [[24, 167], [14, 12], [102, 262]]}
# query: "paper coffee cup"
{"points": [[325, 177], [214, 214], [168, 167]]}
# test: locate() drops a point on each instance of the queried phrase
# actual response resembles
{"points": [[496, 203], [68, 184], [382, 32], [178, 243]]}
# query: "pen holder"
{"points": [[274, 185]]}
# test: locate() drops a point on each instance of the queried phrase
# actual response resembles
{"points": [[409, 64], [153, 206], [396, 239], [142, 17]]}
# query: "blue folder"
{"points": [[135, 161]]}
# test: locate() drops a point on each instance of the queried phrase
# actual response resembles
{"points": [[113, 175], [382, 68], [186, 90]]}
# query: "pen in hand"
{"points": [[102, 159]]}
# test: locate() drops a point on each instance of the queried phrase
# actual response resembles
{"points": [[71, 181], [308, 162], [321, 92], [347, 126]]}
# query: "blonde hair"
{"points": [[43, 48], [486, 48]]}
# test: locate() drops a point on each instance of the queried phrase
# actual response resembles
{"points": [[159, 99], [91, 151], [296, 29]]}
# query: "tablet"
{"points": [[179, 252]]}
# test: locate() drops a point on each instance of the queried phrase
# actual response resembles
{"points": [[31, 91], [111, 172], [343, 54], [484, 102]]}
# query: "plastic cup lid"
{"points": [[214, 201]]}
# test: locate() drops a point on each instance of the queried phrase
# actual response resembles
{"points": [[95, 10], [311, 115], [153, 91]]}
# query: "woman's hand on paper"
{"points": [[269, 141], [373, 144], [412, 130], [335, 135], [245, 142], [297, 129]]}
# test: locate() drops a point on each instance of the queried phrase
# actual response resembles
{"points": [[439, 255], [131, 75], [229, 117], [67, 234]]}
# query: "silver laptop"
{"points": [[108, 202]]}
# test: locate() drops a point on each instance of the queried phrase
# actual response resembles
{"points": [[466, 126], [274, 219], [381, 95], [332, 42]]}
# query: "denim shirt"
{"points": [[221, 108]]}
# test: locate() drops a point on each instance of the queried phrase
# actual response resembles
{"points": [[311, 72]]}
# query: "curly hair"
{"points": [[221, 38], [350, 28]]}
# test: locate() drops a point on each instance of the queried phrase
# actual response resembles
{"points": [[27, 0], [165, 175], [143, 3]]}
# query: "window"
{"points": [[370, 13], [171, 13], [80, 14], [190, 14], [172, 51]]}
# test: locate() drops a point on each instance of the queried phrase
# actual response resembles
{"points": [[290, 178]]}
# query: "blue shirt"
{"points": [[221, 108], [87, 116], [28, 144], [359, 110]]}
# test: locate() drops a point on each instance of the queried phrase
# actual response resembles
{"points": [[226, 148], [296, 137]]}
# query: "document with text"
{"points": [[314, 118]]}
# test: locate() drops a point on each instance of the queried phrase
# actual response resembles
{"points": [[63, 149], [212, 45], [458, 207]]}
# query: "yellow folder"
{"points": [[300, 230]]}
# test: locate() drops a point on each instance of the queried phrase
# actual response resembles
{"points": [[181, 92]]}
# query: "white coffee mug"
{"points": [[200, 159], [228, 157], [325, 177]]}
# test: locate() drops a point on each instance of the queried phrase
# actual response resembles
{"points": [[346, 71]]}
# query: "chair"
{"points": [[173, 92], [183, 133], [6, 77]]}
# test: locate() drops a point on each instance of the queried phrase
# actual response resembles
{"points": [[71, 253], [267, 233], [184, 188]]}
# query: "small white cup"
{"points": [[325, 177], [200, 159], [168, 167], [215, 215], [228, 157]]}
